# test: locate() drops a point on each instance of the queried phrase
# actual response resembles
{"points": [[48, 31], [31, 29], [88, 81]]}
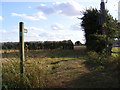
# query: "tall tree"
{"points": [[95, 40], [78, 43]]}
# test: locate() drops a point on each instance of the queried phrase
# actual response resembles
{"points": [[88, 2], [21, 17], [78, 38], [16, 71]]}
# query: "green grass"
{"points": [[116, 49], [53, 69]]}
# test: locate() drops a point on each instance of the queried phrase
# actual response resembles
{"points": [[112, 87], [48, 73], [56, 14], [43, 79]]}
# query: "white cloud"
{"points": [[56, 26], [74, 36], [3, 31], [32, 35], [34, 29], [9, 35], [46, 9], [33, 32], [39, 16], [36, 16], [76, 27], [9, 31], [55, 36], [112, 6], [29, 7], [39, 34], [43, 5], [69, 8], [1, 18]]}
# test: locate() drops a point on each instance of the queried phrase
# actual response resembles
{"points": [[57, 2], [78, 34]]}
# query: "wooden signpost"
{"points": [[21, 38]]}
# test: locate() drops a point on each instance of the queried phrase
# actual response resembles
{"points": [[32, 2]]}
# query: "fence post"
{"points": [[21, 38]]}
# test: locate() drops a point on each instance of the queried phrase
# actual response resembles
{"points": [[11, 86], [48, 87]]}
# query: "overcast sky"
{"points": [[54, 20]]}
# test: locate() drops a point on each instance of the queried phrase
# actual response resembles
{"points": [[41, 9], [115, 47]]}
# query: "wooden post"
{"points": [[21, 38]]}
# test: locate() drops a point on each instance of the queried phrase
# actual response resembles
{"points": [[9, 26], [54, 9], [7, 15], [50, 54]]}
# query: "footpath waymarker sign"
{"points": [[21, 42]]}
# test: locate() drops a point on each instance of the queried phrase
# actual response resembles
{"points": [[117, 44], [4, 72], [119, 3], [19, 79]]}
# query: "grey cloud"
{"points": [[70, 8], [46, 9]]}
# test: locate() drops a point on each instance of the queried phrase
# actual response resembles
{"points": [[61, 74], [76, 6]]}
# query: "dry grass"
{"points": [[79, 47], [43, 72], [54, 69]]}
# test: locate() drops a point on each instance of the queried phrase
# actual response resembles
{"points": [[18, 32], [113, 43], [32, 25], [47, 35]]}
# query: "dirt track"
{"points": [[79, 47]]}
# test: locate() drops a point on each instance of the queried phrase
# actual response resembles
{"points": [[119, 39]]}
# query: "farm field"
{"points": [[56, 69]]}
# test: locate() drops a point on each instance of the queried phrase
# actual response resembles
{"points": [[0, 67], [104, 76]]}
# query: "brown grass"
{"points": [[79, 47]]}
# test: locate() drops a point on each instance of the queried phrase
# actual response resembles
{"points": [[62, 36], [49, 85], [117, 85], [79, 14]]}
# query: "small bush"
{"points": [[95, 58], [100, 61]]}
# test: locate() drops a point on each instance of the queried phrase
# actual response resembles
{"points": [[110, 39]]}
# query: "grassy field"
{"points": [[57, 69]]}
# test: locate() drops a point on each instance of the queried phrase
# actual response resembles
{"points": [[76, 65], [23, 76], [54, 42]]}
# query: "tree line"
{"points": [[36, 45]]}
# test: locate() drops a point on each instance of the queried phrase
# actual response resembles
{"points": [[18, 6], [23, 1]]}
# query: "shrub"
{"points": [[101, 61]]}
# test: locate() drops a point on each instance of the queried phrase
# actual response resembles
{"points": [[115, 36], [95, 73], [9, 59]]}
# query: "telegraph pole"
{"points": [[103, 20], [102, 9], [21, 38]]}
